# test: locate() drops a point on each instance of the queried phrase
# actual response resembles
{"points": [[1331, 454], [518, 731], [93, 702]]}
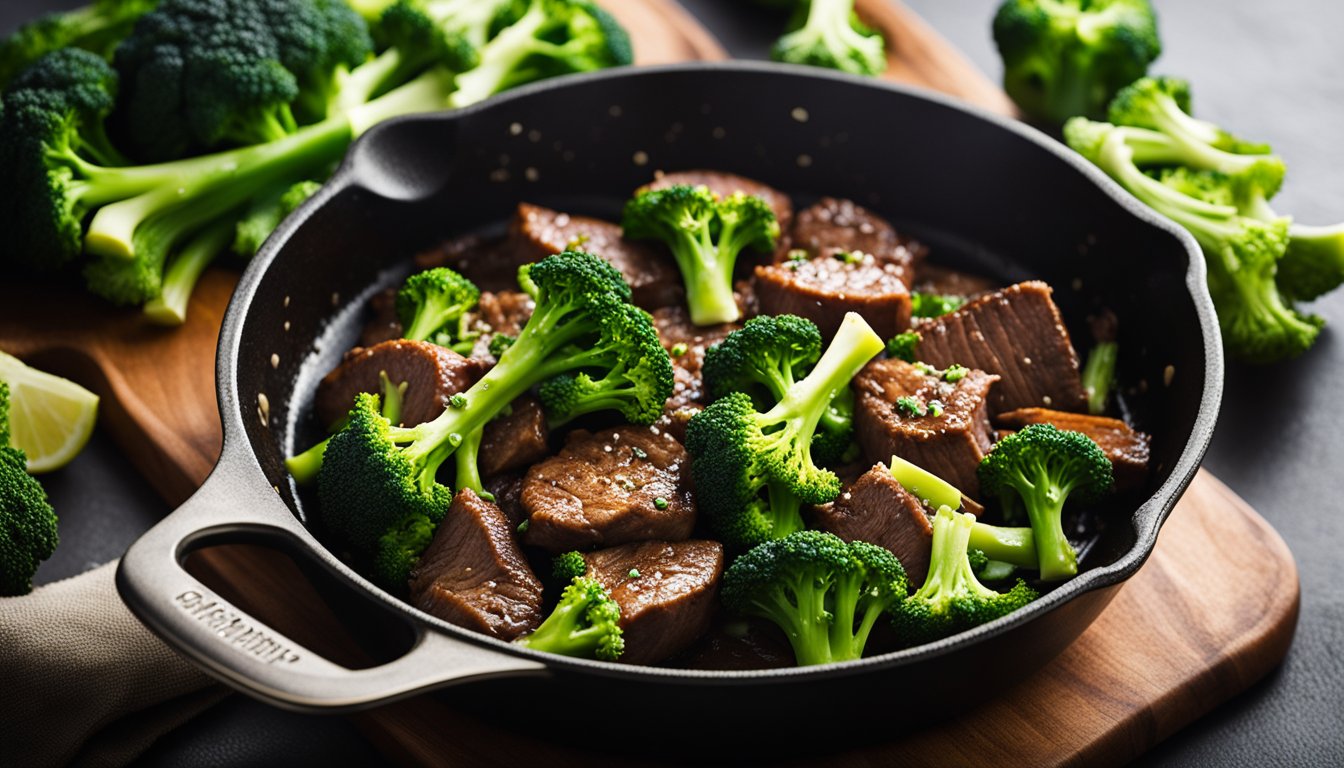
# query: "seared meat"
{"points": [[503, 312], [834, 224], [609, 487], [674, 330], [508, 491], [383, 324], [538, 232], [474, 575], [1018, 334], [949, 445], [878, 510], [432, 374], [484, 261], [669, 603], [517, 440], [824, 289], [725, 184], [945, 281], [1126, 447]]}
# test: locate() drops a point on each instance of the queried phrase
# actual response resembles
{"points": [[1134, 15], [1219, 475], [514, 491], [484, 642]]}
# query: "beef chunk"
{"points": [[486, 261], [725, 184], [383, 324], [945, 281], [604, 489], [503, 312], [1126, 447], [538, 232], [823, 290], [517, 440], [1018, 334], [878, 510], [675, 329], [507, 489], [474, 575], [432, 374], [669, 604], [949, 445], [834, 224]]}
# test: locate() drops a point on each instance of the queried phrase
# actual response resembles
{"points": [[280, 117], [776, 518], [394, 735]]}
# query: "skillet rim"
{"points": [[1147, 517]]}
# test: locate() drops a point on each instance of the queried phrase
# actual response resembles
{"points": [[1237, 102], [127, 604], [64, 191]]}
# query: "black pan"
{"points": [[986, 193]]}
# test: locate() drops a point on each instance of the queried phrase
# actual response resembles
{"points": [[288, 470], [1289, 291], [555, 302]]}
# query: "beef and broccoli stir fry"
{"points": [[717, 434]]}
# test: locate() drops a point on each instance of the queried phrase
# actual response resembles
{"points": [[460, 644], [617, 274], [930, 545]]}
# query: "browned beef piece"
{"points": [[383, 324], [1126, 447], [474, 575], [669, 604], [508, 492], [487, 262], [876, 509], [517, 440], [503, 312], [432, 375], [604, 488], [736, 643], [834, 224], [823, 290], [1018, 334], [949, 445], [538, 232], [725, 184], [945, 281], [675, 329]]}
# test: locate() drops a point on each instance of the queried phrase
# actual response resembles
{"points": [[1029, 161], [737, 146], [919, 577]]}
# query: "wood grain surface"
{"points": [[1188, 631]]}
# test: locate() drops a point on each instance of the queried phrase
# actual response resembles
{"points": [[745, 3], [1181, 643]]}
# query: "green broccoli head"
{"points": [[444, 31], [933, 304], [952, 600], [27, 522], [832, 36], [904, 346], [586, 623], [1163, 104], [96, 28], [824, 593], [1063, 58], [568, 566], [1314, 262], [753, 469], [1040, 467], [706, 235], [433, 302]]}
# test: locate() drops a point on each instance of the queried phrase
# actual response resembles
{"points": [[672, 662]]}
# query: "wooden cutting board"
{"points": [[1187, 632]]}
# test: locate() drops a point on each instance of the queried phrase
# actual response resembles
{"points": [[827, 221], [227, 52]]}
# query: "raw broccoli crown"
{"points": [[1314, 263], [1042, 459], [97, 28], [202, 73], [434, 301], [584, 624], [832, 36], [952, 600], [421, 29], [568, 566], [54, 114], [375, 499], [1064, 58], [767, 351], [1163, 104], [27, 522], [823, 592], [630, 372]]}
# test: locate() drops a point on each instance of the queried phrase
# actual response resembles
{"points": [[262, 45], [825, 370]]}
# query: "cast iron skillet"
{"points": [[983, 191]]}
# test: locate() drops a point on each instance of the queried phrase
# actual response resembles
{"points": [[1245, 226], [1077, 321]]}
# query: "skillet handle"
{"points": [[252, 657]]}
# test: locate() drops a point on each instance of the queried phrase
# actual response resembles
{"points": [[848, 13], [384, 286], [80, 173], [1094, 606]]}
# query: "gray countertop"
{"points": [[1272, 72]]}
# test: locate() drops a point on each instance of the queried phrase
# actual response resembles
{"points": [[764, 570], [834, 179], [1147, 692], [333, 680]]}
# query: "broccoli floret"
{"points": [[764, 358], [933, 304], [952, 600], [1241, 252], [434, 305], [373, 471], [1099, 375], [568, 566], [586, 623], [27, 522], [1039, 468], [1314, 262], [198, 74], [824, 593], [544, 38], [1163, 104], [832, 36], [904, 346], [753, 469], [1063, 58], [266, 213], [305, 466], [97, 28], [706, 234]]}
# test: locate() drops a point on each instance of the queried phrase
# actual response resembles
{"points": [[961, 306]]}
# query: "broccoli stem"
{"points": [[1099, 374], [926, 486], [170, 308], [802, 406], [501, 57], [1015, 546], [805, 624], [466, 459], [950, 572], [1045, 510]]}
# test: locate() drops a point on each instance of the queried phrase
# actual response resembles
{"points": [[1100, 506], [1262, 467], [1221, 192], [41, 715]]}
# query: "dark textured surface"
{"points": [[1273, 74]]}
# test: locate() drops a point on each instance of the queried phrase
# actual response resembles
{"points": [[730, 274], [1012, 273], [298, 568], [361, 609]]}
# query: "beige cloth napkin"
{"points": [[83, 682]]}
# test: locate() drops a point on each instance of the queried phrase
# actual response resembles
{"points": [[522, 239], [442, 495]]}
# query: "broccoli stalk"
{"points": [[305, 466], [926, 486], [1040, 467], [824, 593], [170, 306], [706, 235], [739, 453], [585, 624], [1162, 104], [1099, 375], [832, 36], [28, 532], [434, 305], [952, 600], [1014, 546]]}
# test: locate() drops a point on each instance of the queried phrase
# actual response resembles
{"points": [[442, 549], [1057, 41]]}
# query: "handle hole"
{"points": [[302, 600]]}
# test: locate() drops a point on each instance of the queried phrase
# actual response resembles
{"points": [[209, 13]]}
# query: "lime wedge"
{"points": [[50, 418]]}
